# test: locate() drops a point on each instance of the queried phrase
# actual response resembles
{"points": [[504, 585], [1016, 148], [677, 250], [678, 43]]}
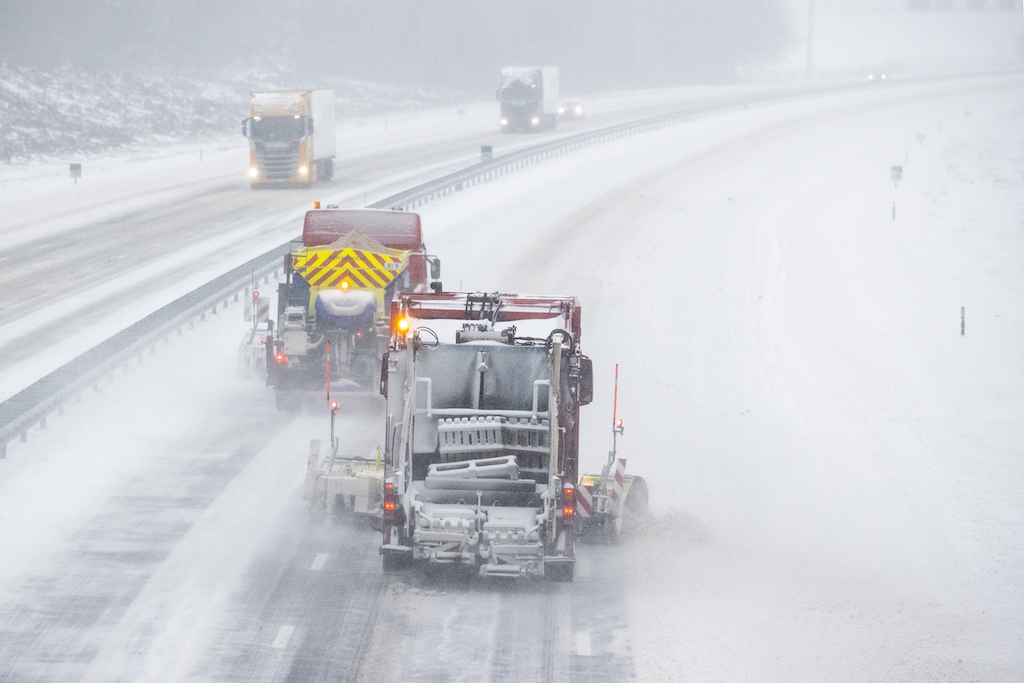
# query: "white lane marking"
{"points": [[318, 563], [285, 634], [582, 568], [583, 643]]}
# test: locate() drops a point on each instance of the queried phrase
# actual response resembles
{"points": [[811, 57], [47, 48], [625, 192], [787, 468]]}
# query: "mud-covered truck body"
{"points": [[483, 393], [529, 98], [333, 307], [291, 137]]}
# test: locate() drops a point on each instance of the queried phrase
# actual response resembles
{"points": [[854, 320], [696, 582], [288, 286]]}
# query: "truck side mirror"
{"points": [[245, 127], [586, 393], [435, 268]]}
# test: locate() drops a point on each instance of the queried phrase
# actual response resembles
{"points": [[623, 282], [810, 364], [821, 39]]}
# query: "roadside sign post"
{"points": [[896, 174], [486, 153], [76, 172]]}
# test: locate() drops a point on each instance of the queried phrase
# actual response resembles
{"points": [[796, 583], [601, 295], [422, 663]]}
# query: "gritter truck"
{"points": [[291, 137], [483, 393], [529, 98], [333, 306]]}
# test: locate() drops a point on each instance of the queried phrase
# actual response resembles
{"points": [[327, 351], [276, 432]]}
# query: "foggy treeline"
{"points": [[458, 44]]}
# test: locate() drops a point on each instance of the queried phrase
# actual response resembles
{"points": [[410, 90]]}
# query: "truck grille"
{"points": [[278, 161]]}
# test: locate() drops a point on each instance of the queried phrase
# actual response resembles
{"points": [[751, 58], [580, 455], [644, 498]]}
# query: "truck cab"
{"points": [[529, 99], [291, 137]]}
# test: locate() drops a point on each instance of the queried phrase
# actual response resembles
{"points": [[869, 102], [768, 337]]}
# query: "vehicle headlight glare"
{"points": [[254, 172]]}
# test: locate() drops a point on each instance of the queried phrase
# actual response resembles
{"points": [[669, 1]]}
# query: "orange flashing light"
{"points": [[334, 405], [402, 325], [344, 284], [568, 501], [281, 358], [316, 205]]}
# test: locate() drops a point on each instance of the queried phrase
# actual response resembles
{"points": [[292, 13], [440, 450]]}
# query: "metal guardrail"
{"points": [[47, 396]]}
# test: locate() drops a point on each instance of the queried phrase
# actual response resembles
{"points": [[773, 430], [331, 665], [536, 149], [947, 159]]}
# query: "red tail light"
{"points": [[281, 358], [389, 501], [568, 502]]}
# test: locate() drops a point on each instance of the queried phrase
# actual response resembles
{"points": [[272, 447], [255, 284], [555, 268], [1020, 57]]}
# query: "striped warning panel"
{"points": [[584, 500], [617, 484], [360, 268]]}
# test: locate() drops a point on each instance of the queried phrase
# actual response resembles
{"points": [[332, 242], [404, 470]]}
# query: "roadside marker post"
{"points": [[76, 172]]}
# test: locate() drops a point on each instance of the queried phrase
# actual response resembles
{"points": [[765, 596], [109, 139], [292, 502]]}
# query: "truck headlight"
{"points": [[561, 110], [303, 170], [535, 120], [504, 122], [254, 172], [579, 110]]}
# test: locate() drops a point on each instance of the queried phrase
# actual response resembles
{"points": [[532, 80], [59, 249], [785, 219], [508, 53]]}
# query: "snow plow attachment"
{"points": [[345, 486], [601, 515], [612, 500]]}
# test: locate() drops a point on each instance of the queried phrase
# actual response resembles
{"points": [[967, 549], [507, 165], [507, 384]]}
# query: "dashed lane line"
{"points": [[583, 643], [318, 563], [285, 634]]}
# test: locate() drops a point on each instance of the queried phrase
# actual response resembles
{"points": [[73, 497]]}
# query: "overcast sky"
{"points": [[459, 44]]}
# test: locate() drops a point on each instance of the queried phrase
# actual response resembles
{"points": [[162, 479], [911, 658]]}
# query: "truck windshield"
{"points": [[517, 91], [278, 128]]}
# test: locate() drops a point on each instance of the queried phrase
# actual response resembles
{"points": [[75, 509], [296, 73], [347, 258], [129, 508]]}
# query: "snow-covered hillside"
{"points": [[65, 111]]}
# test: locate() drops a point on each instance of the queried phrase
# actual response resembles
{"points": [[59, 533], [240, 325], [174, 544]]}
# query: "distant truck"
{"points": [[482, 433], [529, 98], [333, 307], [291, 137]]}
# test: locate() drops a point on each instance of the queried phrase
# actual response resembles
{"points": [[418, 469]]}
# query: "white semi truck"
{"points": [[529, 98]]}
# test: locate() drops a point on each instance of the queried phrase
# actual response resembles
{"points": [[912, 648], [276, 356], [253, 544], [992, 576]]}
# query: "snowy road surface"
{"points": [[836, 473]]}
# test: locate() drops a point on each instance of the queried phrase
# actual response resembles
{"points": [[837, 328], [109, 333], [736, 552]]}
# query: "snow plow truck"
{"points": [[483, 393], [332, 309]]}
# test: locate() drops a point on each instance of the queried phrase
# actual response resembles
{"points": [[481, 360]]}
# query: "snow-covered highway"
{"points": [[836, 473]]}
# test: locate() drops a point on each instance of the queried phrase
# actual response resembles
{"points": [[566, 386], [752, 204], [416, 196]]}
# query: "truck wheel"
{"points": [[393, 563], [325, 169], [560, 573]]}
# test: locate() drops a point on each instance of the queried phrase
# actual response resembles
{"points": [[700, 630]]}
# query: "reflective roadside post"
{"points": [[486, 153]]}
